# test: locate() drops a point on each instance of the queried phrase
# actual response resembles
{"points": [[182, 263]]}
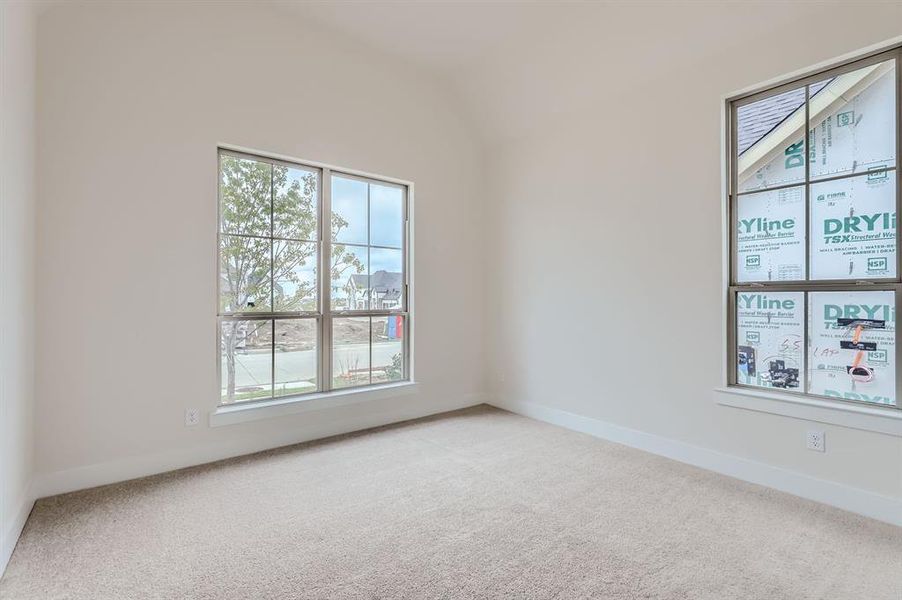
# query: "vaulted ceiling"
{"points": [[516, 65]]}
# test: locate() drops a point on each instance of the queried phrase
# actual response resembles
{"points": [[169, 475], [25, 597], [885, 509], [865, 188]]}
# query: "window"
{"points": [[301, 312], [814, 260]]}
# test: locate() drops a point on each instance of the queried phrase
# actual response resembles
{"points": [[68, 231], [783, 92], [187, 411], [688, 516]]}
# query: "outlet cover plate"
{"points": [[192, 417], [816, 441]]}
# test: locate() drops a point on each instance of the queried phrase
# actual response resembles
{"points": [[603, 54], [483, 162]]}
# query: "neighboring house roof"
{"points": [[756, 120], [380, 281]]}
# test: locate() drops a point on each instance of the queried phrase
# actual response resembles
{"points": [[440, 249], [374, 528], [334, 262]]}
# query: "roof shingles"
{"points": [[757, 119]]}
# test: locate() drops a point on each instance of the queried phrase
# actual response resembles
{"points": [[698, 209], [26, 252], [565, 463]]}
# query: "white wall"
{"points": [[607, 284], [134, 99], [607, 119], [17, 87]]}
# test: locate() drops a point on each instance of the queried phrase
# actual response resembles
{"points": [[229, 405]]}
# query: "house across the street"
{"points": [[383, 288]]}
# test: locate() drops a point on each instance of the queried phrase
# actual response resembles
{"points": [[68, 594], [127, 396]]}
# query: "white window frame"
{"points": [[325, 395], [801, 404]]}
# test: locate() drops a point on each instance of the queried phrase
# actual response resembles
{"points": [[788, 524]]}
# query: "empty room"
{"points": [[450, 300]]}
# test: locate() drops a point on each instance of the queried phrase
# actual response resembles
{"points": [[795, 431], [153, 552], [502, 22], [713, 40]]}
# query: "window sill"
{"points": [[238, 413], [855, 416]]}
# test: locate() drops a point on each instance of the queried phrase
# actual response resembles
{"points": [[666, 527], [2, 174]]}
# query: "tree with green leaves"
{"points": [[268, 220]]}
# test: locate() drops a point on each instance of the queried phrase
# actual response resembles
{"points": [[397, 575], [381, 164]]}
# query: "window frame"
{"points": [[323, 315], [807, 286]]}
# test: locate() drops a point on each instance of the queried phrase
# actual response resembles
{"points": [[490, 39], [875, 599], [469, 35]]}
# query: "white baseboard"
{"points": [[863, 502], [70, 480], [13, 530]]}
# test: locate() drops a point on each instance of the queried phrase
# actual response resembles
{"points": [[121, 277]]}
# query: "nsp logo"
{"points": [[877, 263]]}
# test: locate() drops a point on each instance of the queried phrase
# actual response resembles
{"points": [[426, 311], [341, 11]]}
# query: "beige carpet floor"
{"points": [[478, 503]]}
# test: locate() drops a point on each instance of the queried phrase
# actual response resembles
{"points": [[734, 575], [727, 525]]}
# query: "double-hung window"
{"points": [[312, 279], [814, 260]]}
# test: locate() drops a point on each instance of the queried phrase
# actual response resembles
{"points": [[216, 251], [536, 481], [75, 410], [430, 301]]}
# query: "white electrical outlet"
{"points": [[192, 417], [816, 441]]}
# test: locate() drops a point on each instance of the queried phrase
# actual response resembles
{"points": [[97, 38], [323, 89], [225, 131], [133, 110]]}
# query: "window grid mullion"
{"points": [[898, 295], [817, 180], [805, 383], [325, 357], [268, 237], [732, 328], [272, 282], [272, 358], [807, 137], [272, 278], [405, 264], [806, 341]]}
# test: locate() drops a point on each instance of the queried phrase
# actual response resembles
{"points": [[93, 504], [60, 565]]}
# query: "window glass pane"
{"points": [[295, 359], [350, 282], [244, 274], [350, 351], [388, 349], [386, 215], [769, 338], [246, 360], [771, 235], [853, 122], [852, 345], [386, 279], [770, 141], [294, 203], [349, 211], [294, 276], [244, 196], [853, 227]]}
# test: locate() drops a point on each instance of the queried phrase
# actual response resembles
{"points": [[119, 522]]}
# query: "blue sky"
{"points": [[349, 199]]}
